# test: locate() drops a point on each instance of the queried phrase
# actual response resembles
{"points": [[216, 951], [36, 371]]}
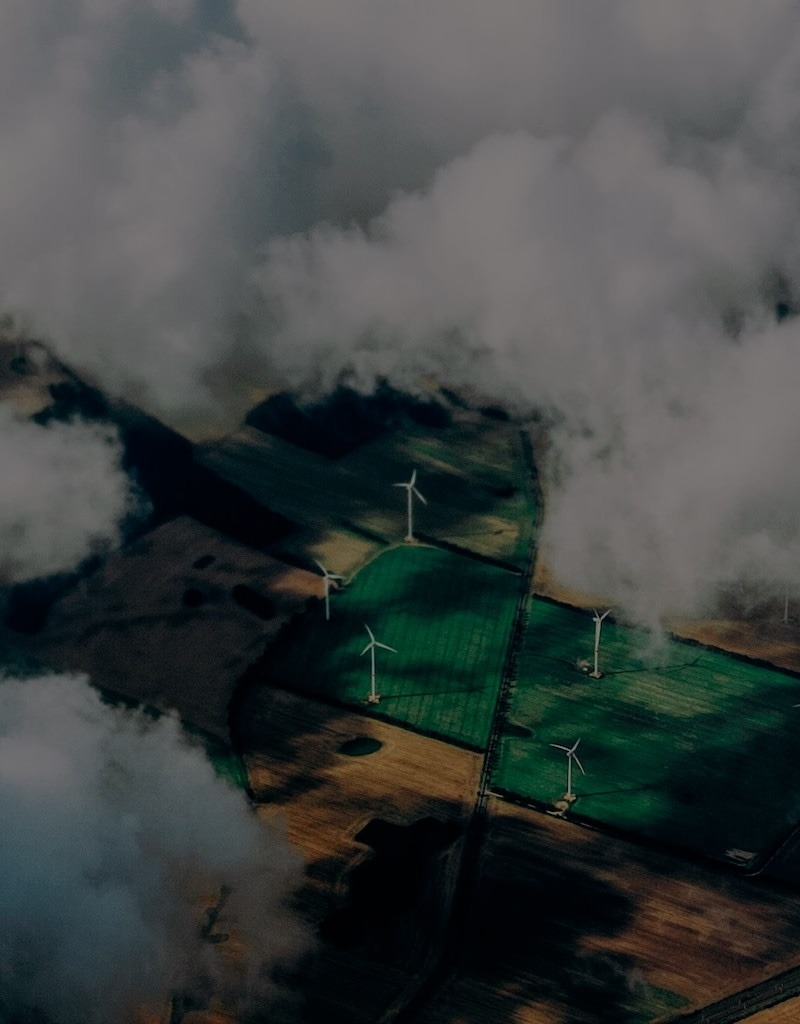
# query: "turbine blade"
{"points": [[386, 647], [604, 614], [365, 650], [399, 485], [575, 745], [322, 567], [578, 763], [558, 746], [423, 500], [335, 576], [371, 634], [413, 479]]}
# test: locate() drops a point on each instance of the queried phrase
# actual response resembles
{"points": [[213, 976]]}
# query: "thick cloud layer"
{"points": [[627, 292], [598, 214], [65, 494], [116, 834]]}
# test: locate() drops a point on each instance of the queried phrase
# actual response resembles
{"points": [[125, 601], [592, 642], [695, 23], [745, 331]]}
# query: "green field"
{"points": [[474, 476], [448, 616], [681, 744]]}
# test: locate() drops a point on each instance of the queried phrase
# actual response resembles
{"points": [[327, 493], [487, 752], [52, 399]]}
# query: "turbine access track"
{"points": [[446, 954], [447, 948]]}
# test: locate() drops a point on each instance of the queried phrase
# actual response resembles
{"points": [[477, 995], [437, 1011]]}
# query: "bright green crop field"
{"points": [[450, 619], [681, 744]]}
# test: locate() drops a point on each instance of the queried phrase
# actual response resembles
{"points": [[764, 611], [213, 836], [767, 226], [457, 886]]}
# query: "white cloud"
{"points": [[591, 199], [114, 825], [65, 494]]}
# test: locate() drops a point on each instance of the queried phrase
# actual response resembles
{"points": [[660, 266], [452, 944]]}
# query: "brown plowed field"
{"points": [[325, 798], [159, 623], [571, 926]]}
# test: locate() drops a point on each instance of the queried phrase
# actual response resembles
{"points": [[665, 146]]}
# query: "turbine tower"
{"points": [[598, 624], [571, 756], [374, 696], [326, 578], [412, 490]]}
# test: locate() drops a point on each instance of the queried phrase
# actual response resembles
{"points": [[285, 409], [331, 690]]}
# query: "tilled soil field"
{"points": [[569, 926], [382, 835]]}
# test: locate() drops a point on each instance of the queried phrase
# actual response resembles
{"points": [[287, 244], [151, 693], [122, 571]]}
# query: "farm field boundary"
{"points": [[663, 737]]}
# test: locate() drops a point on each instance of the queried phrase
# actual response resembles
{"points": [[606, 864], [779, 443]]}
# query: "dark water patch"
{"points": [[360, 746]]}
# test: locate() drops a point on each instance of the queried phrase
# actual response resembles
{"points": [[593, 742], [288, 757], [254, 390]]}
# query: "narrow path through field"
{"points": [[443, 959], [447, 947], [742, 1005]]}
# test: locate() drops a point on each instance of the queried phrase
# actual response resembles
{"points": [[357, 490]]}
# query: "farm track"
{"points": [[741, 1006], [444, 960], [447, 943]]}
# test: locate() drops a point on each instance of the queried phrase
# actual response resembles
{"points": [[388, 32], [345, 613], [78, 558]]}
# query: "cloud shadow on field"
{"points": [[532, 924]]}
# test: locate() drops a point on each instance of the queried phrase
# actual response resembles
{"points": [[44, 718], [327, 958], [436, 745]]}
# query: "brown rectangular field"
{"points": [[569, 925], [325, 798]]}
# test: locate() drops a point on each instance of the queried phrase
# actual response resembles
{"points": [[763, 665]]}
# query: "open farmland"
{"points": [[377, 884], [571, 926], [684, 745], [448, 616], [173, 620]]}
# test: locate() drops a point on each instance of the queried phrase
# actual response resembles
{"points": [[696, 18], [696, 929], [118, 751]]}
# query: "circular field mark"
{"points": [[360, 746]]}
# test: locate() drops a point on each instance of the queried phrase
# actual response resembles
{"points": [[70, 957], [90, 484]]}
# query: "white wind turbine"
{"points": [[327, 577], [374, 696], [412, 490], [598, 625], [571, 756]]}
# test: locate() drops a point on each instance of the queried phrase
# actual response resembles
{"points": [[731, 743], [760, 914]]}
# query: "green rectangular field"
{"points": [[680, 743], [449, 618]]}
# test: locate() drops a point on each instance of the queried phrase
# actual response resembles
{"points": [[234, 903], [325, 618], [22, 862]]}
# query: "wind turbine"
{"points": [[571, 756], [598, 625], [412, 490], [327, 577], [374, 696]]}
